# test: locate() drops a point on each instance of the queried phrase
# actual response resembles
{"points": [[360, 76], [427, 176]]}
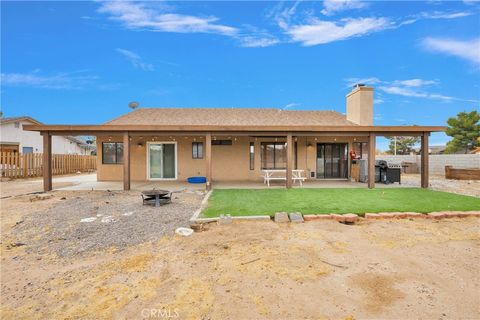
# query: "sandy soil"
{"points": [[250, 270]]}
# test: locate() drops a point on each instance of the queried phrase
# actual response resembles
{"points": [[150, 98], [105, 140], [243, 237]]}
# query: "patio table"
{"points": [[281, 174], [158, 196]]}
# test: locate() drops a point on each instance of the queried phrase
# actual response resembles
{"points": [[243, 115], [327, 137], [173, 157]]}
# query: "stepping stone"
{"points": [[225, 219], [296, 217], [281, 217]]}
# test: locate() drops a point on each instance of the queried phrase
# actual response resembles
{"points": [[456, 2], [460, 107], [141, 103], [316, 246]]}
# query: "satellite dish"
{"points": [[133, 105]]}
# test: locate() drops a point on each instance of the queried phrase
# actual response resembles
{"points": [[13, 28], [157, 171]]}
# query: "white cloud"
{"points": [[304, 27], [468, 50], [415, 92], [321, 32], [290, 105], [135, 59], [73, 80], [252, 36], [415, 82], [157, 17], [254, 41], [353, 81], [445, 15], [333, 6], [416, 88], [135, 15], [403, 91]]}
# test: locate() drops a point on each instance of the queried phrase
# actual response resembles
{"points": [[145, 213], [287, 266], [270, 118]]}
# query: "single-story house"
{"points": [[237, 144], [14, 139]]}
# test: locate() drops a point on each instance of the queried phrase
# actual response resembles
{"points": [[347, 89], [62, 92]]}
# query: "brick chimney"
{"points": [[360, 105]]}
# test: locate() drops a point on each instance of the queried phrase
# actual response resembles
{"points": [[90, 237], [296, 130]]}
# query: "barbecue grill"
{"points": [[387, 172]]}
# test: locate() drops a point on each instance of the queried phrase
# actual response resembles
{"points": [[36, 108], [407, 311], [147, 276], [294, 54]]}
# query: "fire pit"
{"points": [[156, 197]]}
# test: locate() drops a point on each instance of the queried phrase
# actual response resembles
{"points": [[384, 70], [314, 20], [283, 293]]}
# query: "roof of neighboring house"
{"points": [[81, 142], [436, 149], [230, 117], [17, 119]]}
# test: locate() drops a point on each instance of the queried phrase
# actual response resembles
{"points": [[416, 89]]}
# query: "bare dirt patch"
{"points": [[248, 270]]}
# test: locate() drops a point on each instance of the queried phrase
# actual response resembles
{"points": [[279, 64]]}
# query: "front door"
{"points": [[162, 161], [332, 160]]}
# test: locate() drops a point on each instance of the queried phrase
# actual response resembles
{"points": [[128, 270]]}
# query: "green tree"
{"points": [[402, 145], [465, 131]]}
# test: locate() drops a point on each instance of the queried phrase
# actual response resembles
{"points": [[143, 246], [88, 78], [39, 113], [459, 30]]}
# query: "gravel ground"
{"points": [[94, 220], [438, 182]]}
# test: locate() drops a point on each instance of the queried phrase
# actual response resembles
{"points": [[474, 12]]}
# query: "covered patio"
{"points": [[87, 182], [208, 133]]}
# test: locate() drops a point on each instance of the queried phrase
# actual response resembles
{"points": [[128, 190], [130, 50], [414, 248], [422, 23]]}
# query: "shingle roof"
{"points": [[234, 117], [21, 118]]}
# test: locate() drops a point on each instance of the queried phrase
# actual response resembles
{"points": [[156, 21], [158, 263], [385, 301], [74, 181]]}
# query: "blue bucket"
{"points": [[196, 179]]}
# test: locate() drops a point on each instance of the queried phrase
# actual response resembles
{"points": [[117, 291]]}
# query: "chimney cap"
{"points": [[358, 85]]}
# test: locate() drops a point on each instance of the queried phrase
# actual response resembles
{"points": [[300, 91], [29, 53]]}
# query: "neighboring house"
{"points": [[14, 139], [237, 144], [437, 149]]}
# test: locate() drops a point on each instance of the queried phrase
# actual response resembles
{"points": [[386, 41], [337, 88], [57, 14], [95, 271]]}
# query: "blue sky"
{"points": [[82, 62]]}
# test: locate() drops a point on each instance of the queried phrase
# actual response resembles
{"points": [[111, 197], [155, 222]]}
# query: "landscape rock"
{"points": [[436, 215], [350, 218], [338, 217], [320, 216], [296, 217], [387, 215], [415, 215], [281, 217], [40, 197], [372, 216], [225, 219]]}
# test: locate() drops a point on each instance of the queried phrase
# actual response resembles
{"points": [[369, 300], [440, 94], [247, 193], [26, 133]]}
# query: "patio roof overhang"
{"points": [[244, 130], [230, 129]]}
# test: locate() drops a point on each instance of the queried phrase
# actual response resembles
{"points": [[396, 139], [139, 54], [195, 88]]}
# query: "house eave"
{"points": [[183, 129]]}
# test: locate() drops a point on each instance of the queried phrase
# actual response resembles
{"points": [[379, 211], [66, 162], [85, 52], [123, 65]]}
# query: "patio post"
{"points": [[424, 161], [126, 161], [289, 160], [371, 160], [208, 159], [47, 161]]}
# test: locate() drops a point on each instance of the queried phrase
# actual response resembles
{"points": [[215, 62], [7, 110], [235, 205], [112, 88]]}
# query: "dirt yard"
{"points": [[55, 266], [438, 182]]}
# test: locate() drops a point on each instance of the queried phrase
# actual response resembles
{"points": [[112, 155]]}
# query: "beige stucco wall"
{"points": [[360, 106], [229, 163]]}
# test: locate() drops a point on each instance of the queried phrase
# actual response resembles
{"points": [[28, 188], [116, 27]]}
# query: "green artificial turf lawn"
{"points": [[248, 202]]}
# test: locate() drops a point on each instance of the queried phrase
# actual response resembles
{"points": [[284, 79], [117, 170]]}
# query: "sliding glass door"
{"points": [[332, 160], [162, 160]]}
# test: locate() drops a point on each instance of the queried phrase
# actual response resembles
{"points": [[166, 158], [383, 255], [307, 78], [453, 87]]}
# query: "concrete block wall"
{"points": [[437, 162]]}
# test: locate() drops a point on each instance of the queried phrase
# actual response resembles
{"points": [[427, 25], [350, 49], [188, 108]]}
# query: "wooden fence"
{"points": [[24, 165]]}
